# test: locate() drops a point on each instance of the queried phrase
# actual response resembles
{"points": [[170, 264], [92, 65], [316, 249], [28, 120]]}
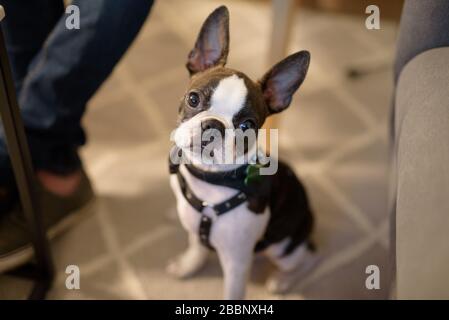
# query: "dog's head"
{"points": [[220, 99]]}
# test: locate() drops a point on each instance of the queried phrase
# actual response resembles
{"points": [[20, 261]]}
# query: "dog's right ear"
{"points": [[212, 45]]}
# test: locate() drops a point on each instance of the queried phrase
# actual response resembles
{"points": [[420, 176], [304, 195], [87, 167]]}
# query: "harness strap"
{"points": [[200, 205]]}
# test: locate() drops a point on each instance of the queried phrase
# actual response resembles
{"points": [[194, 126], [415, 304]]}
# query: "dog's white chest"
{"points": [[230, 228]]}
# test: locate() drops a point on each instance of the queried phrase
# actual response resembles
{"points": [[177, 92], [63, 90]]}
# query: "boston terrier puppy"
{"points": [[220, 205]]}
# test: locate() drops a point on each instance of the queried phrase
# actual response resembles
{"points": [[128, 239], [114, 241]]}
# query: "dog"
{"points": [[215, 204]]}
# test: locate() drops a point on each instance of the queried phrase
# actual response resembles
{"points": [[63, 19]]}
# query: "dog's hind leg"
{"points": [[191, 261], [291, 267]]}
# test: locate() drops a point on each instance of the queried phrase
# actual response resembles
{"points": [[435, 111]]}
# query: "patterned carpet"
{"points": [[334, 134]]}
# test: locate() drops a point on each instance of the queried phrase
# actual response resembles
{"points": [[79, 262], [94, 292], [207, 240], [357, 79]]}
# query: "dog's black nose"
{"points": [[213, 124]]}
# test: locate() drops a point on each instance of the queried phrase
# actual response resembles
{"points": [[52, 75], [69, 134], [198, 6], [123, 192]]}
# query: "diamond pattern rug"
{"points": [[334, 135]]}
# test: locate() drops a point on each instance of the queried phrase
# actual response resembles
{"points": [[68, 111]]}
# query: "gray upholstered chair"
{"points": [[420, 175]]}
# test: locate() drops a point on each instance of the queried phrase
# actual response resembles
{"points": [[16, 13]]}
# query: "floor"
{"points": [[334, 135]]}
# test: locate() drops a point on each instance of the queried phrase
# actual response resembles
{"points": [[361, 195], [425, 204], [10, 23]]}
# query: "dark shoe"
{"points": [[59, 213], [8, 198], [8, 191]]}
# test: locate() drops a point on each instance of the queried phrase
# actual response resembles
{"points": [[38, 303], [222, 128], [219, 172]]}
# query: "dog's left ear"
{"points": [[280, 83], [212, 45]]}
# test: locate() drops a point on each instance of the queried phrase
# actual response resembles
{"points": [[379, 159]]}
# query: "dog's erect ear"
{"points": [[280, 83], [212, 45]]}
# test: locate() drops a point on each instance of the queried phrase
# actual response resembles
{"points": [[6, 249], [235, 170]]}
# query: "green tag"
{"points": [[253, 174]]}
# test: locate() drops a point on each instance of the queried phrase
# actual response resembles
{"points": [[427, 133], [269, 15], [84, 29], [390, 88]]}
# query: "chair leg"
{"points": [[21, 162], [282, 18]]}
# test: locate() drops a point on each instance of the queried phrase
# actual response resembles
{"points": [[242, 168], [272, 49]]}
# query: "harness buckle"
{"points": [[211, 209]]}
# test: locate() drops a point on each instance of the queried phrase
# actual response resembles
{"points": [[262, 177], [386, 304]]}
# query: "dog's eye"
{"points": [[247, 124], [193, 99]]}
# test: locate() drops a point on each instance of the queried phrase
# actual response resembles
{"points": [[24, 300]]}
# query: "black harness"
{"points": [[235, 179]]}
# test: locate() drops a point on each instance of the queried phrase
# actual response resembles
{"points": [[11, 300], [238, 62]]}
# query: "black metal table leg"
{"points": [[42, 271]]}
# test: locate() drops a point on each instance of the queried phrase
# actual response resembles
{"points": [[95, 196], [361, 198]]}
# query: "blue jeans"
{"points": [[57, 70]]}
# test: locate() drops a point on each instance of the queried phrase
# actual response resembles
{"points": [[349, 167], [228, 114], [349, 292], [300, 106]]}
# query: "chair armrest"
{"points": [[422, 177]]}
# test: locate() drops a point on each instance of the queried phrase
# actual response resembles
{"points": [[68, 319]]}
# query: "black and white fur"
{"points": [[230, 97]]}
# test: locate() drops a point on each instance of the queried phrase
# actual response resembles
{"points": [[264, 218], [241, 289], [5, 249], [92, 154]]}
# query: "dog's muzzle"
{"points": [[211, 127]]}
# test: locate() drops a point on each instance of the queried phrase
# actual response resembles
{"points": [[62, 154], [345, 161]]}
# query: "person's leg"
{"points": [[67, 71], [23, 45], [40, 16]]}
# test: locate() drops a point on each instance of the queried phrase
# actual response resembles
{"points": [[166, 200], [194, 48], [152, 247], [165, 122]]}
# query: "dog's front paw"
{"points": [[177, 269], [185, 266]]}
